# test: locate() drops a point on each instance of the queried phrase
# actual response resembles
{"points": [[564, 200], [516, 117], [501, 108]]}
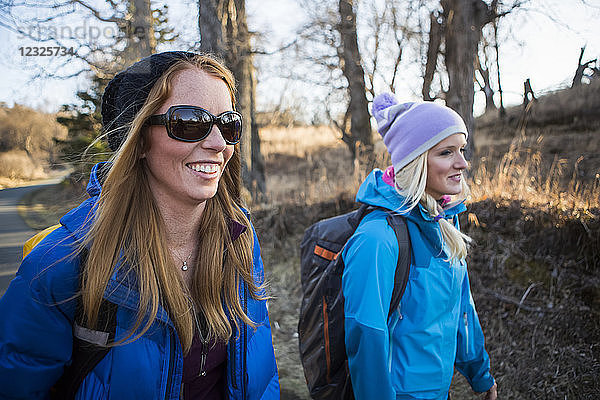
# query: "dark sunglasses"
{"points": [[192, 124]]}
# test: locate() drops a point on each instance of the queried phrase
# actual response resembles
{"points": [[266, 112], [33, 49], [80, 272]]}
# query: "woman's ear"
{"points": [[144, 142]]}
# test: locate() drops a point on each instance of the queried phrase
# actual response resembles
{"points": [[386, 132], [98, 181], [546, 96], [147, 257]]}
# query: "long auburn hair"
{"points": [[128, 232], [410, 183]]}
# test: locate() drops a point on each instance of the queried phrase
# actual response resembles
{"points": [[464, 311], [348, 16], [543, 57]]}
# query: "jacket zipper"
{"points": [[171, 363], [202, 371], [244, 345], [232, 357], [391, 334], [233, 352], [466, 319]]}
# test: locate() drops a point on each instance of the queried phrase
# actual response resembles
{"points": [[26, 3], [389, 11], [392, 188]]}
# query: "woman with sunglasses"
{"points": [[412, 351], [162, 248]]}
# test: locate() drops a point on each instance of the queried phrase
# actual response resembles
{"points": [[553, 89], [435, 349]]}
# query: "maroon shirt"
{"points": [[206, 383]]}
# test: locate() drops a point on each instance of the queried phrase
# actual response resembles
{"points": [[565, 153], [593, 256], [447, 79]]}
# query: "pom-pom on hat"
{"points": [[410, 129], [127, 92]]}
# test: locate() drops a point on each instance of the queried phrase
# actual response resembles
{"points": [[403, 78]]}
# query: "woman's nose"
{"points": [[214, 140], [461, 162]]}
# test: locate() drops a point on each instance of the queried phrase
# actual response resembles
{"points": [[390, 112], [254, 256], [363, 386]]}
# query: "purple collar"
{"points": [[236, 229], [388, 175]]}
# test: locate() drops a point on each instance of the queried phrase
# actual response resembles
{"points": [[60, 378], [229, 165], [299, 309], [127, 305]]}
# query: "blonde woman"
{"points": [[164, 242], [435, 328]]}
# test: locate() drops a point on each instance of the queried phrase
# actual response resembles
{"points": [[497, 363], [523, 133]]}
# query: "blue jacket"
{"points": [[36, 323], [435, 328]]}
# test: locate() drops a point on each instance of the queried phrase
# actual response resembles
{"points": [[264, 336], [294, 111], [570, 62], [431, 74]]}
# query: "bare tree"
{"points": [[328, 48], [528, 95], [482, 77], [579, 72], [436, 31], [360, 122], [224, 32], [131, 21], [141, 17], [464, 22], [502, 112]]}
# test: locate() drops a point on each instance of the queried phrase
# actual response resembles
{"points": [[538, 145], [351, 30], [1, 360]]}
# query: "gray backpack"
{"points": [[321, 324]]}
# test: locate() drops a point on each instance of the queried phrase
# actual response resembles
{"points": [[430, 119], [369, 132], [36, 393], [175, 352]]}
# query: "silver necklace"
{"points": [[184, 266]]}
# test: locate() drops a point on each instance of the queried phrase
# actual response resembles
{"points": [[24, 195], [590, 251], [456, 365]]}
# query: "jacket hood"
{"points": [[97, 177], [374, 191], [78, 220]]}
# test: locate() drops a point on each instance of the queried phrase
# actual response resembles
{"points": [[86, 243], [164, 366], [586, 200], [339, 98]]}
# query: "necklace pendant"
{"points": [[184, 267]]}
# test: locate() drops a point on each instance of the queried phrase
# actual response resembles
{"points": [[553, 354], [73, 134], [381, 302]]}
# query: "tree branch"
{"points": [[96, 13]]}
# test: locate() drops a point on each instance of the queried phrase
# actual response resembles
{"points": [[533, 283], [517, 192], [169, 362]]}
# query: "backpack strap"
{"points": [[89, 346], [353, 223], [398, 223], [38, 237]]}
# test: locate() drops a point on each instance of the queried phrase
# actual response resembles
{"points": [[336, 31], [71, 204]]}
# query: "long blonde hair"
{"points": [[128, 232], [410, 183]]}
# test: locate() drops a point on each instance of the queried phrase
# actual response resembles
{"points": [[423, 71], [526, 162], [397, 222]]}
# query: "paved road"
{"points": [[13, 230]]}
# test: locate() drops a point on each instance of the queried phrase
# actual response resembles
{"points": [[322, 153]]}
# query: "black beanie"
{"points": [[127, 92]]}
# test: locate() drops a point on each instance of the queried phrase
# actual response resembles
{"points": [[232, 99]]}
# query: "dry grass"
{"points": [[297, 142], [27, 144], [575, 109], [23, 128], [305, 165], [308, 165], [17, 165], [526, 174]]}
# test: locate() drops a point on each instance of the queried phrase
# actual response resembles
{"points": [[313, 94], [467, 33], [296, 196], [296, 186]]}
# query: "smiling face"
{"points": [[445, 163], [183, 173]]}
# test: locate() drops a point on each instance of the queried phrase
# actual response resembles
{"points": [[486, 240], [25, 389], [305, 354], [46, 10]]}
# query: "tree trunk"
{"points": [[139, 33], [433, 49], [527, 91], [486, 86], [143, 26], [224, 32], [496, 47], [360, 120], [464, 21], [581, 68], [210, 15], [259, 188]]}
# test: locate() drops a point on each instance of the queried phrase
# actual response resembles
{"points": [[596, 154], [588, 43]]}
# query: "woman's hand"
{"points": [[491, 394]]}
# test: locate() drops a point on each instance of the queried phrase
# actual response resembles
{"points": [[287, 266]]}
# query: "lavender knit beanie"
{"points": [[410, 129]]}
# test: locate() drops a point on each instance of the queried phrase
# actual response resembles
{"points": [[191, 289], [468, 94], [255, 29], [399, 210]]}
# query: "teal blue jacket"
{"points": [[435, 328], [37, 313]]}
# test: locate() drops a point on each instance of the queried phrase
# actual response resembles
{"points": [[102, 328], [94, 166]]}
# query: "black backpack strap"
{"points": [[398, 223], [90, 346], [362, 212]]}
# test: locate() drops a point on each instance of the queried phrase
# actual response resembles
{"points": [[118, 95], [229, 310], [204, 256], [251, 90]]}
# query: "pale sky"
{"points": [[539, 49]]}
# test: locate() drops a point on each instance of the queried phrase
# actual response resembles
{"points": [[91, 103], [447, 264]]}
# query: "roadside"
{"points": [[19, 208], [14, 230], [43, 207]]}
